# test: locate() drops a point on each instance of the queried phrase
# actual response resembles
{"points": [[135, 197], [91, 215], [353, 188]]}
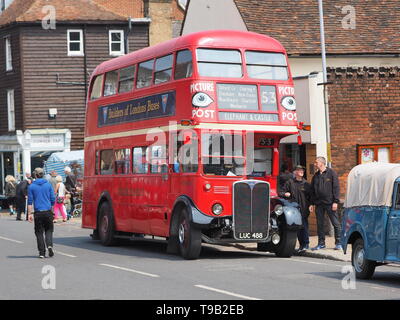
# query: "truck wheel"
{"points": [[106, 225], [364, 268], [285, 248], [189, 238]]}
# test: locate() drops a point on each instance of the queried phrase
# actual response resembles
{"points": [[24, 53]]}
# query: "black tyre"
{"points": [[189, 238], [363, 267], [285, 248], [106, 225]]}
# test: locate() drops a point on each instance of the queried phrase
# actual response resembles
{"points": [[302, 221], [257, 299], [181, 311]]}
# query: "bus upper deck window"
{"points": [[96, 88], [266, 65], [163, 69], [219, 63], [126, 79], [184, 65], [145, 74], [111, 83]]}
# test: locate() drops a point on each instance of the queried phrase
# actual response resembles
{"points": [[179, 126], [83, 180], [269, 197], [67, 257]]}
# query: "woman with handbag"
{"points": [[10, 193], [60, 195]]}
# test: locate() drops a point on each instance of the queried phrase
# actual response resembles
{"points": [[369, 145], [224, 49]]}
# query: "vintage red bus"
{"points": [[181, 142]]}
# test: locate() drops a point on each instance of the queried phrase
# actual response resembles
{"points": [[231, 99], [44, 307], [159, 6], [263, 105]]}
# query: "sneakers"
{"points": [[319, 247], [303, 249], [51, 252], [41, 256], [338, 247]]}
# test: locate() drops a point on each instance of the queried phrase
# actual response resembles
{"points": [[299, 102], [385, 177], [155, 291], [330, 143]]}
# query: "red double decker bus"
{"points": [[181, 142]]}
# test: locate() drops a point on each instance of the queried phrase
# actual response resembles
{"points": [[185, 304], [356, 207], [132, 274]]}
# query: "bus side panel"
{"points": [[88, 202]]}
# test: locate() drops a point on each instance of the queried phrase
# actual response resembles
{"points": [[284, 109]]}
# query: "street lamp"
{"points": [[325, 79]]}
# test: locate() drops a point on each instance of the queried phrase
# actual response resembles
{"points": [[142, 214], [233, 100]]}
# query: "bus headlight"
{"points": [[201, 100], [275, 238], [217, 209], [278, 209], [289, 103]]}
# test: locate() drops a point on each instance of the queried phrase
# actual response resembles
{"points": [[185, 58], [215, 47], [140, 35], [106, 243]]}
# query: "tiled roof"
{"points": [[66, 10], [126, 8], [295, 23]]}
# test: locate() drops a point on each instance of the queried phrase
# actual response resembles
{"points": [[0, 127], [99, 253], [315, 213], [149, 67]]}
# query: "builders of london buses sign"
{"points": [[151, 107]]}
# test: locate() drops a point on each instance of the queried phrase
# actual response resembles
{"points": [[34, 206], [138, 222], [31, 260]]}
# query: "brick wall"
{"points": [[364, 107]]}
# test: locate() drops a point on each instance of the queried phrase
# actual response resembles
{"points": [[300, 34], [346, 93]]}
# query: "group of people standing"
{"points": [[17, 193], [43, 199], [321, 195]]}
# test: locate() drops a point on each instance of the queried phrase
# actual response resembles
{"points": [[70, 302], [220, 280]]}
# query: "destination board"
{"points": [[237, 97]]}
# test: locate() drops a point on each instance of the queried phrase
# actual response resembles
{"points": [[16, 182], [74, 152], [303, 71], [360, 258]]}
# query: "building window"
{"points": [[374, 153], [75, 43], [11, 110], [7, 45], [117, 43]]}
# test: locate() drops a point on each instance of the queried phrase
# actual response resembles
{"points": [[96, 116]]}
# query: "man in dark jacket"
{"points": [[21, 197], [325, 197], [41, 197], [297, 189]]}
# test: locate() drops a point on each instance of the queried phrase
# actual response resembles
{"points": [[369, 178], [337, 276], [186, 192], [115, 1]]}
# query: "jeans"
{"points": [[302, 234], [44, 228], [333, 216]]}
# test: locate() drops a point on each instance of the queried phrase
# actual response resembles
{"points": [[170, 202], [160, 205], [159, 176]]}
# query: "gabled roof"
{"points": [[66, 10], [296, 25]]}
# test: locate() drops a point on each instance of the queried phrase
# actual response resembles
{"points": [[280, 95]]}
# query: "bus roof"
{"points": [[213, 38]]}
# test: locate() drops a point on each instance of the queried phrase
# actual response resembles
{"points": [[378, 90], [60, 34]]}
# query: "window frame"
{"points": [[101, 77], [133, 78], [171, 67], [138, 73], [375, 147], [11, 109], [8, 53], [105, 82], [177, 53], [122, 42], [74, 53]]}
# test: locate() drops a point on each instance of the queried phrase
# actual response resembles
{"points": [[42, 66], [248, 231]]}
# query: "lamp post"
{"points": [[325, 79]]}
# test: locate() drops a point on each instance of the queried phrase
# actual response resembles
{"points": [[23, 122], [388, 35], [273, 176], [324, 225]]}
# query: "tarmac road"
{"points": [[84, 269]]}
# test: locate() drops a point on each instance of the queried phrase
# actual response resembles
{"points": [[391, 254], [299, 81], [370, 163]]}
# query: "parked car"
{"points": [[371, 219]]}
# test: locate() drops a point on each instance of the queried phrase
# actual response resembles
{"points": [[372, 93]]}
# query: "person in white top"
{"points": [[60, 196]]}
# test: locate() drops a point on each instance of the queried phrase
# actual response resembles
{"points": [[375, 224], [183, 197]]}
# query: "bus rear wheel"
{"points": [[189, 238], [106, 225]]}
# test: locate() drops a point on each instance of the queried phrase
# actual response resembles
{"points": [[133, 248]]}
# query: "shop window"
{"points": [[374, 153], [106, 162], [122, 161]]}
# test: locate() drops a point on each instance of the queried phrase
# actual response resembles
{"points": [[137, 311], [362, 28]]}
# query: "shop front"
{"points": [[24, 151]]}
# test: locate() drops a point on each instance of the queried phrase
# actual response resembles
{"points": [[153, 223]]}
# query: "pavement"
{"points": [[328, 253]]}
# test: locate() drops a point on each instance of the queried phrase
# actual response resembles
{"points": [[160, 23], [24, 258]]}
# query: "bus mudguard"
{"points": [[198, 218]]}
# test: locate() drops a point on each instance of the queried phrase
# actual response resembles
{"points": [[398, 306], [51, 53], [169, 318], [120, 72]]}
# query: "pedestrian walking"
{"points": [[10, 192], [325, 197], [70, 185], [41, 199], [53, 180], [297, 189], [60, 196], [21, 198]]}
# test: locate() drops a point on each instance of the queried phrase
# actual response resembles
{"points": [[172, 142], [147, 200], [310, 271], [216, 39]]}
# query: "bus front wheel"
{"points": [[189, 238], [106, 226]]}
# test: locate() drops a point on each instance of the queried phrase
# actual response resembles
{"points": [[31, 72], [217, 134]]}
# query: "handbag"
{"points": [[60, 199]]}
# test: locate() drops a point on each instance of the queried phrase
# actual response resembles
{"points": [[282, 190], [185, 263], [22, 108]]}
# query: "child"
{"points": [[67, 203]]}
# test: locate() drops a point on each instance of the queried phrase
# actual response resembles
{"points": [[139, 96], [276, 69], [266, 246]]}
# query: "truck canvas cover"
{"points": [[371, 184]]}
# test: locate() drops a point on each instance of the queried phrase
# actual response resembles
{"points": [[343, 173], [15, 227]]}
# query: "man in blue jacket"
{"points": [[41, 199]]}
